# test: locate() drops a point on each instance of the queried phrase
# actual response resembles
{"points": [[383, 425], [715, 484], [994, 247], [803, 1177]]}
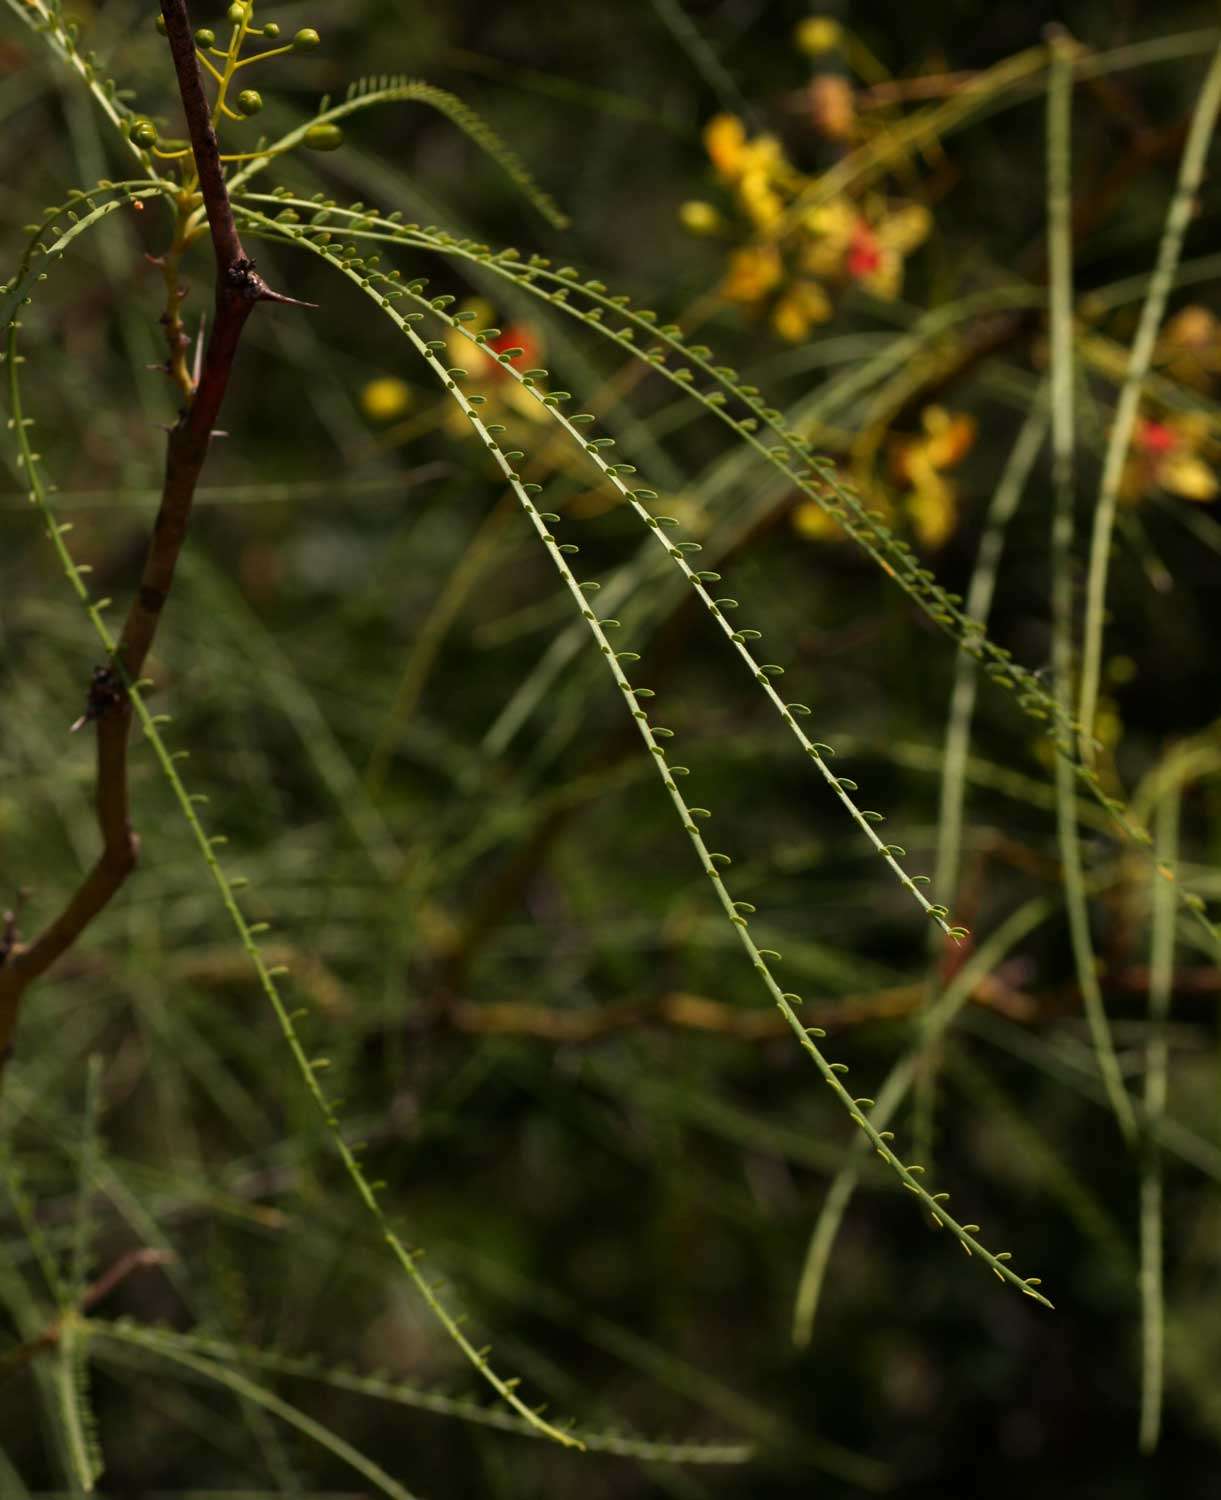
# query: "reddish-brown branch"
{"points": [[125, 1266], [238, 288], [685, 1012]]}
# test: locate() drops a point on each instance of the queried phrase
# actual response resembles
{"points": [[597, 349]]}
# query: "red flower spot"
{"points": [[516, 336], [1156, 438], [864, 252]]}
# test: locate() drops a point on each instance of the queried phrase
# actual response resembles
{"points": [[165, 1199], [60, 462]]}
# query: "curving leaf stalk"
{"points": [[815, 478], [763, 960]]}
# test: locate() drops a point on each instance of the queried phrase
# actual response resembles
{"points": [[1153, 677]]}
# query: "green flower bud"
{"points": [[271, 31], [250, 101], [236, 12], [143, 133], [161, 25], [306, 39], [205, 38], [324, 138]]}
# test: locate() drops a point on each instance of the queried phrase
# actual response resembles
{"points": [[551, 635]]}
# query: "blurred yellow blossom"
{"points": [[799, 307], [1188, 349], [754, 271], [810, 520], [919, 465], [725, 142], [386, 398], [518, 344], [756, 168], [832, 104], [818, 34], [790, 259], [700, 218], [865, 245], [1165, 455]]}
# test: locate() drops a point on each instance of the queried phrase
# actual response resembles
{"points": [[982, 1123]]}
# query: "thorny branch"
{"points": [[238, 288]]}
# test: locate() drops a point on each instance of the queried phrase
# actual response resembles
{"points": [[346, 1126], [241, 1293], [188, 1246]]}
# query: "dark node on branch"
{"points": [[243, 277], [105, 693], [9, 935]]}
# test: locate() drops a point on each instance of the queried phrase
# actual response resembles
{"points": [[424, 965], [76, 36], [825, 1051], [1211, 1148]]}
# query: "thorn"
{"points": [[155, 260], [267, 295]]}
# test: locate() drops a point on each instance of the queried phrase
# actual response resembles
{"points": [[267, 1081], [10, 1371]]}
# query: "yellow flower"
{"points": [[818, 34], [832, 102], [700, 218], [919, 464], [735, 157], [1188, 349], [800, 306], [811, 521], [386, 398], [763, 204], [1165, 456], [829, 227], [753, 272], [933, 509], [876, 256], [866, 247], [485, 374], [725, 142]]}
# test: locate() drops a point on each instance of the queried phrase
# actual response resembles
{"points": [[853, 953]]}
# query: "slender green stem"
{"points": [[1152, 1233], [894, 1090], [966, 669], [1182, 205], [1063, 427], [400, 1393], [249, 1390], [962, 711]]}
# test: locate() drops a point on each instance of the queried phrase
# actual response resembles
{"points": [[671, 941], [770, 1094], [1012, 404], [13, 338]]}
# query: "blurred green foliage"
{"points": [[533, 1010]]}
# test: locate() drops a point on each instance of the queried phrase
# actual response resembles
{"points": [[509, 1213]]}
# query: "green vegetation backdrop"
{"points": [[967, 252]]}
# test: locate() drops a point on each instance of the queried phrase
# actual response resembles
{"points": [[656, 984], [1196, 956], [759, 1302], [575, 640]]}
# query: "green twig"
{"points": [[1182, 206], [1063, 427]]}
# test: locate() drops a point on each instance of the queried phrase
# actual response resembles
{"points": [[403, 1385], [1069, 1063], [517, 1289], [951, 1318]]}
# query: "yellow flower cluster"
{"points": [[794, 258], [1170, 452], [918, 468]]}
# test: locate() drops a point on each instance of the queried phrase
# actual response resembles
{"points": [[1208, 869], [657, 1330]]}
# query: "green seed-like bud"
{"points": [[250, 101], [271, 31], [161, 25], [205, 38], [143, 133], [236, 12], [306, 39], [324, 138]]}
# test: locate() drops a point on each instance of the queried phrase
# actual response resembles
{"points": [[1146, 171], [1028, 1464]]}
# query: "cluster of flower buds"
{"points": [[223, 63]]}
